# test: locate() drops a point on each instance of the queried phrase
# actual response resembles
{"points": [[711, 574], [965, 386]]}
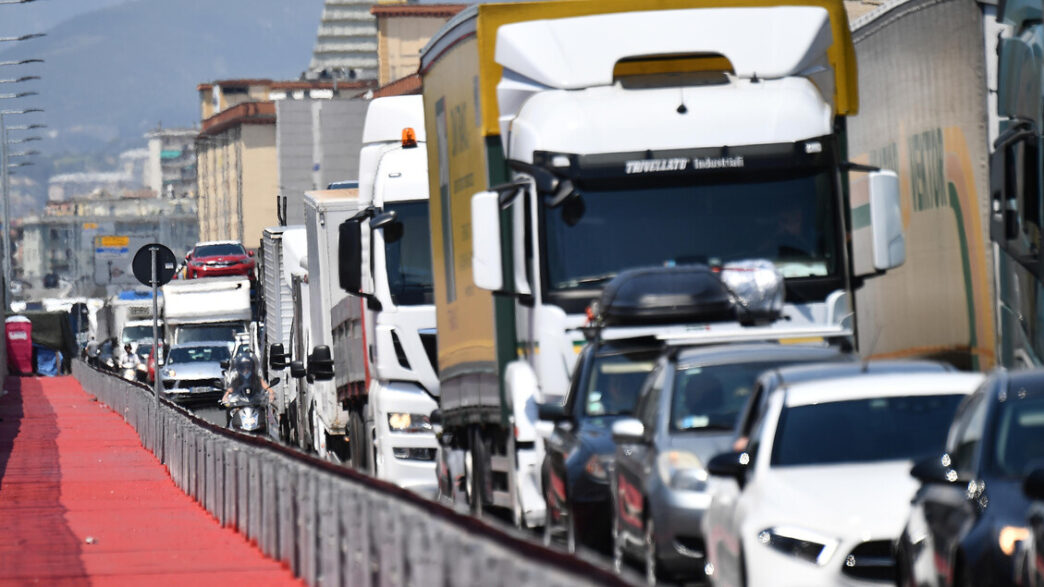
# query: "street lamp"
{"points": [[5, 200], [24, 37], [26, 127], [15, 1], [28, 153], [19, 95], [21, 62], [16, 80], [25, 140]]}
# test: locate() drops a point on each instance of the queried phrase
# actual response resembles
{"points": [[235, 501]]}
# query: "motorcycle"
{"points": [[129, 367], [247, 409]]}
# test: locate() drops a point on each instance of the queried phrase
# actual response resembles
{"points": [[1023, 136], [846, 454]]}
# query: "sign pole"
{"points": [[155, 326]]}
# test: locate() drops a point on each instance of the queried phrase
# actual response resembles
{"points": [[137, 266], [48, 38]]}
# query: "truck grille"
{"points": [[873, 561], [431, 348]]}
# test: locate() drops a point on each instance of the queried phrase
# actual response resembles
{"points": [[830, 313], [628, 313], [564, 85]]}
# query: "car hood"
{"points": [[200, 370], [868, 501], [223, 259]]}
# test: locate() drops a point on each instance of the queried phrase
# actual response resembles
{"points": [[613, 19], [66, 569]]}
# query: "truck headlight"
{"points": [[410, 423], [803, 544], [682, 471]]}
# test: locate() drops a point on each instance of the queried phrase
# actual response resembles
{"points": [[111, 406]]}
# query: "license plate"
{"points": [[201, 390]]}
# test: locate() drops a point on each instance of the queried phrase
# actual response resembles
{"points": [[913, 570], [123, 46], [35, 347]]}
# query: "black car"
{"points": [[969, 517], [1029, 565], [604, 388]]}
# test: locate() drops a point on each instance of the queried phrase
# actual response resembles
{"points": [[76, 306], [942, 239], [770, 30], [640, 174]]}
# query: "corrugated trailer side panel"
{"points": [[279, 306], [922, 79]]}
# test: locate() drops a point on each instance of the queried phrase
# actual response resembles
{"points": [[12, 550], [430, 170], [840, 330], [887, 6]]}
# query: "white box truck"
{"points": [[207, 310]]}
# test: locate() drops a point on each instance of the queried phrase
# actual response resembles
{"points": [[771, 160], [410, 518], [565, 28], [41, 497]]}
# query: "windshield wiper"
{"points": [[588, 280]]}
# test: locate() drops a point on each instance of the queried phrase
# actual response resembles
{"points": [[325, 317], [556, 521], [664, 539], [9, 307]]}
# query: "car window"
{"points": [[967, 434], [1020, 436], [865, 430], [648, 406], [198, 354], [615, 382], [219, 249], [710, 397]]}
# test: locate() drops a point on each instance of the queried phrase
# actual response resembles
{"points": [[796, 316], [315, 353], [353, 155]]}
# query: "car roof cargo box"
{"points": [[664, 295]]}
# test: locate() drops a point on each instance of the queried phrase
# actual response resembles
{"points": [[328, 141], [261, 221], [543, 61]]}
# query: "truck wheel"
{"points": [[357, 440], [476, 460]]}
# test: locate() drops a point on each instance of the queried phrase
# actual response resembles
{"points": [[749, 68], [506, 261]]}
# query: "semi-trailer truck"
{"points": [[606, 136], [385, 328]]}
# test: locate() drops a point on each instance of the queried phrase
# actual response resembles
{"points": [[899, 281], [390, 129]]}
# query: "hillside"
{"points": [[113, 74]]}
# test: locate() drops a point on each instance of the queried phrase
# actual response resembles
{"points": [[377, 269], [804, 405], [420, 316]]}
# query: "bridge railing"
{"points": [[330, 524]]}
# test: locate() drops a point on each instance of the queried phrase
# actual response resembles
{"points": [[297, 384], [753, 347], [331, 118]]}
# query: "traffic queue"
{"points": [[562, 293]]}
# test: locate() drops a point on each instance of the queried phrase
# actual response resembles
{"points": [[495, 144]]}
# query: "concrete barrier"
{"points": [[330, 524]]}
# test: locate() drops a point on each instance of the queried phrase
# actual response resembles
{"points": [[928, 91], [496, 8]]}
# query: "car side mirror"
{"points": [[320, 363], [730, 464], [552, 412], [297, 369], [934, 470], [628, 431], [251, 253], [226, 364], [277, 359]]}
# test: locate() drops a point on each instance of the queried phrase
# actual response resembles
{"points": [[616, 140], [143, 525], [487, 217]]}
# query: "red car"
{"points": [[214, 258]]}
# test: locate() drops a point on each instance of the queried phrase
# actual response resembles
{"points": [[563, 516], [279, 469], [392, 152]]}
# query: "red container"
{"points": [[19, 345]]}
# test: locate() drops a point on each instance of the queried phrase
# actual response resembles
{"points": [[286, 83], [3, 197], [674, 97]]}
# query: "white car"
{"points": [[822, 490]]}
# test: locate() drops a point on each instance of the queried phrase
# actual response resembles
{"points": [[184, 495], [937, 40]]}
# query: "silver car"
{"points": [[193, 372], [687, 413]]}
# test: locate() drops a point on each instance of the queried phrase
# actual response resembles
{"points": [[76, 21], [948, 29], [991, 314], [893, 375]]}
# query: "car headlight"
{"points": [[1010, 536], [682, 471], [406, 422], [597, 467], [803, 544], [169, 373]]}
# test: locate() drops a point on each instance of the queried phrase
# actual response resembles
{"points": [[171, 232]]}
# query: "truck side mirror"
{"points": [[349, 255], [486, 266], [277, 357], [320, 363], [886, 220], [297, 369]]}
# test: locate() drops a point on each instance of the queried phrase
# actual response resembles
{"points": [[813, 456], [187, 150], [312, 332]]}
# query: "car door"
{"points": [[632, 459], [948, 512], [563, 439]]}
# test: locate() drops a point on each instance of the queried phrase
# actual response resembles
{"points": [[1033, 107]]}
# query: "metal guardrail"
{"points": [[330, 524]]}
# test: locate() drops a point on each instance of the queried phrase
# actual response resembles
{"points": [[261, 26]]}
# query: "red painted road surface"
{"points": [[81, 502]]}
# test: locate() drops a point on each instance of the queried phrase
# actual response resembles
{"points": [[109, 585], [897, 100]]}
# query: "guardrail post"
{"points": [[306, 526], [231, 493], [270, 509]]}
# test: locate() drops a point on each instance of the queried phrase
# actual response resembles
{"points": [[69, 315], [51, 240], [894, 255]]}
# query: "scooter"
{"points": [[128, 367], [248, 409]]}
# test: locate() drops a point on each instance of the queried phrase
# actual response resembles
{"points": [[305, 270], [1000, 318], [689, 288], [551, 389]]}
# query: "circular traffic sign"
{"points": [[166, 264]]}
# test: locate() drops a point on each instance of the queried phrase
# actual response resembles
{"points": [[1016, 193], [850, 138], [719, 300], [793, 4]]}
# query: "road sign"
{"points": [[166, 264]]}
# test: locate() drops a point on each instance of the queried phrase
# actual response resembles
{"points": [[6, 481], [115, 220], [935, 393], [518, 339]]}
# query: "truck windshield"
{"points": [[789, 219], [407, 255], [139, 333], [208, 333]]}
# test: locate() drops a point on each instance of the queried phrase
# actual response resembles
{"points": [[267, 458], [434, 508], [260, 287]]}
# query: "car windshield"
{"points": [[218, 250], [615, 382], [139, 333], [795, 227], [864, 431], [198, 354], [711, 397], [208, 333], [407, 254], [1020, 436]]}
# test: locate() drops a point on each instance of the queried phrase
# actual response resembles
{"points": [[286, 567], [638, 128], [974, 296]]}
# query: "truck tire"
{"points": [[479, 480], [357, 440]]}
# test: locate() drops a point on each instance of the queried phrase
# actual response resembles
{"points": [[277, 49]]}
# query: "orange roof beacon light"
{"points": [[409, 138]]}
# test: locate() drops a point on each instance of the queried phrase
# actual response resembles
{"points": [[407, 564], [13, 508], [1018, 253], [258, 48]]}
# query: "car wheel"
{"points": [[650, 553]]}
